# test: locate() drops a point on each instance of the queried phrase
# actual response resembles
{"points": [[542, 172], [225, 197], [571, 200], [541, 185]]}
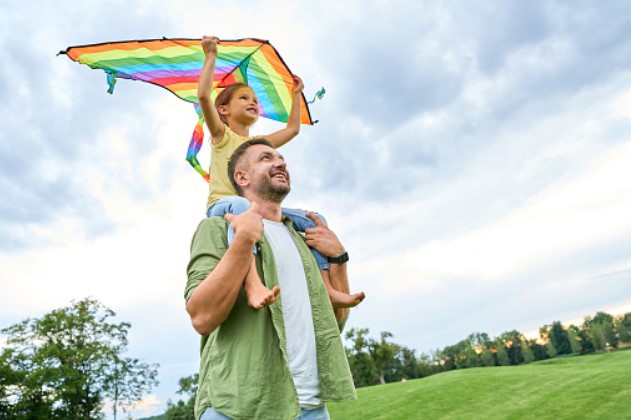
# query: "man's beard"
{"points": [[272, 192]]}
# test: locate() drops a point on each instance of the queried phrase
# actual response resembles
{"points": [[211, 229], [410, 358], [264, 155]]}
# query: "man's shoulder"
{"points": [[211, 227], [212, 223]]}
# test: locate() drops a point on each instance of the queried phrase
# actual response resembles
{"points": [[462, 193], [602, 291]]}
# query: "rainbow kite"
{"points": [[175, 65]]}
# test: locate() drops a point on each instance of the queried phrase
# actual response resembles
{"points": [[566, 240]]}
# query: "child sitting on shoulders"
{"points": [[229, 120]]}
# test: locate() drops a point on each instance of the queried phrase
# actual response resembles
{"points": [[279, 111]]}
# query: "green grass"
{"points": [[582, 387]]}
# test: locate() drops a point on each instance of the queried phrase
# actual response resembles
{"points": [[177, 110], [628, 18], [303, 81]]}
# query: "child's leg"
{"points": [[301, 223], [257, 294], [338, 299], [230, 204]]}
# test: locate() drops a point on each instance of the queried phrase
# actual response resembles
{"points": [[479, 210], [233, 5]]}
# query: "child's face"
{"points": [[243, 106]]}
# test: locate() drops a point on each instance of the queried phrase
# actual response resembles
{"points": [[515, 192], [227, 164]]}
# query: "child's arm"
{"points": [[292, 129], [205, 84]]}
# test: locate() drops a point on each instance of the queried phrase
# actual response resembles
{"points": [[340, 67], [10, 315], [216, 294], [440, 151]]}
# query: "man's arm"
{"points": [[212, 300], [325, 241], [338, 277]]}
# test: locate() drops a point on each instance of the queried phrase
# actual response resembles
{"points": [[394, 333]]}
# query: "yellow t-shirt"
{"points": [[219, 184]]}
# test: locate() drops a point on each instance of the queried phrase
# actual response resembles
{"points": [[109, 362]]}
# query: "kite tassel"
{"points": [[111, 80], [318, 95], [196, 143]]}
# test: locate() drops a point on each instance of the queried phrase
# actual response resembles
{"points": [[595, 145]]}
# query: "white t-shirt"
{"points": [[301, 344]]}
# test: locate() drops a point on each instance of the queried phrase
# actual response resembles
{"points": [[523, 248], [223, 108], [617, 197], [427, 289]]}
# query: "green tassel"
{"points": [[111, 81], [319, 95]]}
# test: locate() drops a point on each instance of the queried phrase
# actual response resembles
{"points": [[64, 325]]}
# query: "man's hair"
{"points": [[236, 161], [225, 96]]}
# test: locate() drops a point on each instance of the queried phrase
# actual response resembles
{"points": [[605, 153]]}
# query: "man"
{"points": [[283, 361]]}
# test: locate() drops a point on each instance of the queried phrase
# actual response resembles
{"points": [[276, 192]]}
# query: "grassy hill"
{"points": [[583, 387]]}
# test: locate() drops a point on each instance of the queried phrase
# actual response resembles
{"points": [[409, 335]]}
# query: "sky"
{"points": [[473, 157]]}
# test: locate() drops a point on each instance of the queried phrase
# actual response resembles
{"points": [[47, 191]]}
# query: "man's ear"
{"points": [[241, 177]]}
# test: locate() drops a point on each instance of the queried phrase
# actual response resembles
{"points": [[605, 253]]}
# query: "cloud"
{"points": [[471, 158], [53, 118], [523, 264]]}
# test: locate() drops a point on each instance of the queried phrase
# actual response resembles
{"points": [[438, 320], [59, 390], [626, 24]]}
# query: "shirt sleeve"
{"points": [[208, 246], [341, 324]]}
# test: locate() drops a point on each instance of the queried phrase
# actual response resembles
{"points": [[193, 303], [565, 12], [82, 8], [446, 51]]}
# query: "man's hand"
{"points": [[322, 238], [248, 225], [209, 44]]}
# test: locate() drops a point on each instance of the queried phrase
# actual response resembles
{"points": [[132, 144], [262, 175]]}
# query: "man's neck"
{"points": [[269, 211]]}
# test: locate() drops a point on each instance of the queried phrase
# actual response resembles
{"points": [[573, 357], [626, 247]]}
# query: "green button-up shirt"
{"points": [[244, 372]]}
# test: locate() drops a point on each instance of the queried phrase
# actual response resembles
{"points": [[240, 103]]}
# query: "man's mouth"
{"points": [[280, 175]]}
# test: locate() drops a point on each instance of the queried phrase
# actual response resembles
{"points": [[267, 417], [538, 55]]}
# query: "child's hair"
{"points": [[225, 96]]}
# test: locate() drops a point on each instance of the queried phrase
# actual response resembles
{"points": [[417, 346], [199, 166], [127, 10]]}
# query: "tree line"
{"points": [[71, 361], [378, 361]]}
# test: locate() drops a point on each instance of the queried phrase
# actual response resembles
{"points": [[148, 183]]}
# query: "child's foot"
{"points": [[343, 300], [257, 294], [260, 296]]}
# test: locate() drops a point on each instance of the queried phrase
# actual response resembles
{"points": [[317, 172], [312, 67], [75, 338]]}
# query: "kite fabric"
{"points": [[175, 64]]}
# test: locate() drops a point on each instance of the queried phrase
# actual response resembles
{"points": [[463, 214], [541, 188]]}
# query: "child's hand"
{"points": [[298, 85], [209, 44]]}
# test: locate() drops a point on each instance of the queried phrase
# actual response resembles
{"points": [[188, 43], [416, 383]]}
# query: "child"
{"points": [[229, 120]]}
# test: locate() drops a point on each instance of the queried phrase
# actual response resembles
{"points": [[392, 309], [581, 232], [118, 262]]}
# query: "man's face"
{"points": [[268, 173]]}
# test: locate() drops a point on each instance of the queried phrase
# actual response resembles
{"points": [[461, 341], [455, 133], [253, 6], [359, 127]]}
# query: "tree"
{"points": [[64, 365], [597, 336], [538, 350], [603, 330], [382, 353], [430, 364], [623, 327], [603, 318], [527, 352], [450, 355], [551, 349], [573, 338], [500, 352], [512, 343], [558, 336], [467, 358], [359, 358], [487, 358], [409, 366], [184, 410], [382, 361]]}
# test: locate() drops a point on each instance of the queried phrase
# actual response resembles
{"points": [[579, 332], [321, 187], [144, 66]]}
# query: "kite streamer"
{"points": [[318, 95], [175, 64]]}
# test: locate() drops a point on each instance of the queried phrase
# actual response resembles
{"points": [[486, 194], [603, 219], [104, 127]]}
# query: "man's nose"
{"points": [[280, 163]]}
